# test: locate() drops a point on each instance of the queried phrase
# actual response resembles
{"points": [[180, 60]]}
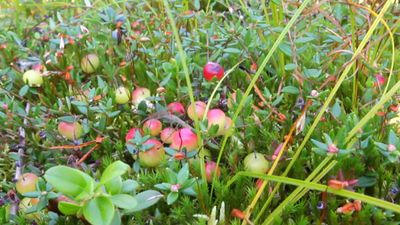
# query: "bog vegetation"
{"points": [[199, 112]]}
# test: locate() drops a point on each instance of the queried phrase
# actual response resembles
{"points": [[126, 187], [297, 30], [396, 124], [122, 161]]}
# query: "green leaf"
{"points": [[69, 119], [124, 201], [136, 166], [366, 181], [163, 186], [213, 130], [117, 218], [336, 110], [170, 151], [142, 106], [232, 50], [115, 169], [33, 194], [146, 199], [196, 4], [79, 103], [68, 208], [52, 195], [183, 174], [31, 209], [82, 109], [313, 73], [114, 186], [166, 80], [286, 49], [188, 183], [277, 100], [290, 67], [319, 151], [69, 181], [171, 176], [172, 197], [393, 139], [335, 38], [192, 153], [304, 40], [277, 2], [23, 90], [99, 211], [52, 24], [190, 191], [320, 145], [328, 139], [129, 186], [290, 90], [381, 146], [113, 114], [43, 202]]}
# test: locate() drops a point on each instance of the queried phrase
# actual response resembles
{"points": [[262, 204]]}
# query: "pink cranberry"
{"points": [[197, 108], [379, 80], [167, 135], [184, 138], [132, 133], [211, 70], [216, 117], [152, 127], [140, 94], [176, 108]]}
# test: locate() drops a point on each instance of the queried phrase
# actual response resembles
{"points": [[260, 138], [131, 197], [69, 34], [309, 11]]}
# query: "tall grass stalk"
{"points": [[354, 42], [332, 94], [182, 56], [258, 73], [336, 87], [371, 113], [313, 174], [298, 193], [278, 157], [357, 127], [391, 38], [324, 188]]}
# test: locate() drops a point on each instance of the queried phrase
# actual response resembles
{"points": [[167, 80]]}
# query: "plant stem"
{"points": [[299, 192], [258, 73], [275, 164], [182, 56], [335, 89], [320, 187], [309, 178]]}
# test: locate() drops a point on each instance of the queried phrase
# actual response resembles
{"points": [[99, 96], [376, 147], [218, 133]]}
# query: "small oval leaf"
{"points": [[124, 201], [69, 181], [115, 169], [146, 199], [114, 186], [68, 208], [99, 211]]}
